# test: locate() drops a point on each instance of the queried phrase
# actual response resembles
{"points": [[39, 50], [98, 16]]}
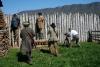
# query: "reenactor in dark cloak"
{"points": [[26, 47]]}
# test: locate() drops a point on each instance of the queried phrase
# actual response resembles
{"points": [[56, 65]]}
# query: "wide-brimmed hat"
{"points": [[26, 23], [53, 25]]}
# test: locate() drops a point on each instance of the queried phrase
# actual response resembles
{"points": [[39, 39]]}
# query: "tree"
{"points": [[1, 4]]}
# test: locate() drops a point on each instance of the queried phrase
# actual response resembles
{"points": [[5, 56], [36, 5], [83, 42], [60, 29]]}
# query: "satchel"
{"points": [[32, 40]]}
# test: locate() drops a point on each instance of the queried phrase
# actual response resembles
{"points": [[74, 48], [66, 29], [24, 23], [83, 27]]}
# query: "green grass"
{"points": [[88, 55]]}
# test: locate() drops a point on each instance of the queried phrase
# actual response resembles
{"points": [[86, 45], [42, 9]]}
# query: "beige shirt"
{"points": [[53, 34], [41, 22]]}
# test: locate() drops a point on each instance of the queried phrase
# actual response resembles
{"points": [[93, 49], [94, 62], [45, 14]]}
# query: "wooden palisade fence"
{"points": [[82, 22], [94, 36]]}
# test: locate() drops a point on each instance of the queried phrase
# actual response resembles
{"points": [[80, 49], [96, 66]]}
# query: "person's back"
{"points": [[74, 32], [26, 35], [25, 32], [53, 34], [40, 21], [15, 22], [74, 37], [52, 42]]}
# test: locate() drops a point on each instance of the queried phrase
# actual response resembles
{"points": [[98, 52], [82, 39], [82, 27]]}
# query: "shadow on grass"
{"points": [[45, 51], [64, 46], [67, 46], [21, 58]]}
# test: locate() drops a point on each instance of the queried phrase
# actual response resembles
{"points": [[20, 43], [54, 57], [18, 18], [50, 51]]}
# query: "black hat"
{"points": [[53, 25], [14, 15], [39, 13], [26, 24]]}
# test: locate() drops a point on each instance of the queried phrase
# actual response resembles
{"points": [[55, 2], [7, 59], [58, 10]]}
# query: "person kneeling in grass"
{"points": [[74, 37]]}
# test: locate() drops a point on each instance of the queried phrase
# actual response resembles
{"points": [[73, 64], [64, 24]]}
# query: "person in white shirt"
{"points": [[74, 37]]}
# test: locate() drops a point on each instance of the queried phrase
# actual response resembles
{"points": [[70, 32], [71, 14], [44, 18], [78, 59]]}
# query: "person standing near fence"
{"points": [[74, 37], [15, 24], [26, 47], [52, 42], [40, 26]]}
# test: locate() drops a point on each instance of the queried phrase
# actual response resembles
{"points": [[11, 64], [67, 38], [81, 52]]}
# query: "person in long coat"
{"points": [[53, 39], [26, 46]]}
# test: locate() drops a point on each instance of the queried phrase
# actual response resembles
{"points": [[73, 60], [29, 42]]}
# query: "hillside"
{"points": [[81, 8]]}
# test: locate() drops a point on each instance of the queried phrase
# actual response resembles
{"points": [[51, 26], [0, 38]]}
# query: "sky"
{"points": [[14, 6]]}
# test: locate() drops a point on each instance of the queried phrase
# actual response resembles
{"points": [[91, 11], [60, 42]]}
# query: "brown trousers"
{"points": [[15, 35], [53, 47]]}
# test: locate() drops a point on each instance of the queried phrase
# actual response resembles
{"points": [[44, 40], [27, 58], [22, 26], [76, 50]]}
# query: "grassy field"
{"points": [[88, 55]]}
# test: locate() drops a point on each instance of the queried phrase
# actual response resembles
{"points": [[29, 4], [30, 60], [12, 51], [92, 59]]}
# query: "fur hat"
{"points": [[26, 24]]}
